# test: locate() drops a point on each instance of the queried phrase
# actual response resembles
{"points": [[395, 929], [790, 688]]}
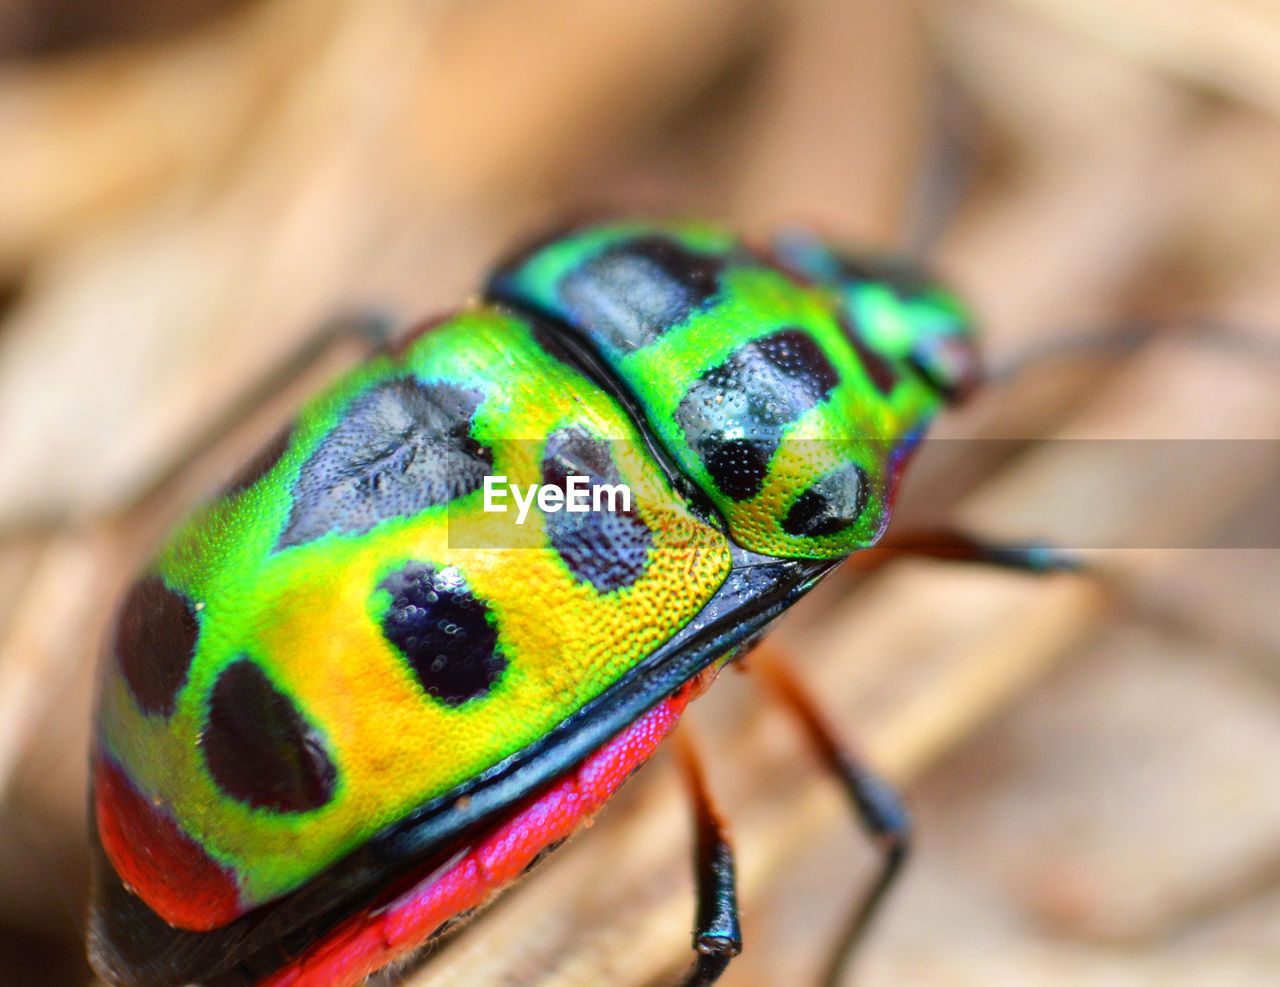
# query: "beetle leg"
{"points": [[717, 936], [878, 805], [369, 330], [953, 545]]}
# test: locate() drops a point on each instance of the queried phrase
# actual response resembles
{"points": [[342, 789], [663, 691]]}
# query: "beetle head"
{"points": [[895, 307]]}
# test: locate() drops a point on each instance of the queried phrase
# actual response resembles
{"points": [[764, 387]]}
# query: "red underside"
{"points": [[163, 866], [376, 937]]}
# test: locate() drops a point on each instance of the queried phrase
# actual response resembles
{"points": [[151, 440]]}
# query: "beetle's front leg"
{"points": [[878, 805], [953, 545], [368, 330], [717, 936]]}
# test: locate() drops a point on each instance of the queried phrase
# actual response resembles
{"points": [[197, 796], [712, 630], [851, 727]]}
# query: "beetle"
{"points": [[345, 705]]}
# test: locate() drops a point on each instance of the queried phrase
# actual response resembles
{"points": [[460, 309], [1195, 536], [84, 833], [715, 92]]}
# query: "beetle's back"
{"points": [[345, 635]]}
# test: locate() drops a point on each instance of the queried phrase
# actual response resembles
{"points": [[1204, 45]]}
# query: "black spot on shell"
{"points": [[735, 414], [630, 294], [607, 549], [156, 635], [831, 505], [444, 632], [573, 452], [259, 748], [401, 448], [738, 466], [883, 375]]}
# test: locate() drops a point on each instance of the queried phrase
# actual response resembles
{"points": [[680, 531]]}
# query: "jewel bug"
{"points": [[329, 726]]}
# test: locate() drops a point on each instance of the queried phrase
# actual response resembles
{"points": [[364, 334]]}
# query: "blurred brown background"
{"points": [[189, 189]]}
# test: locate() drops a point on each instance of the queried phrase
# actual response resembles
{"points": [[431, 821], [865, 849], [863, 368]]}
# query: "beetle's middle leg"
{"points": [[878, 805], [717, 935]]}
